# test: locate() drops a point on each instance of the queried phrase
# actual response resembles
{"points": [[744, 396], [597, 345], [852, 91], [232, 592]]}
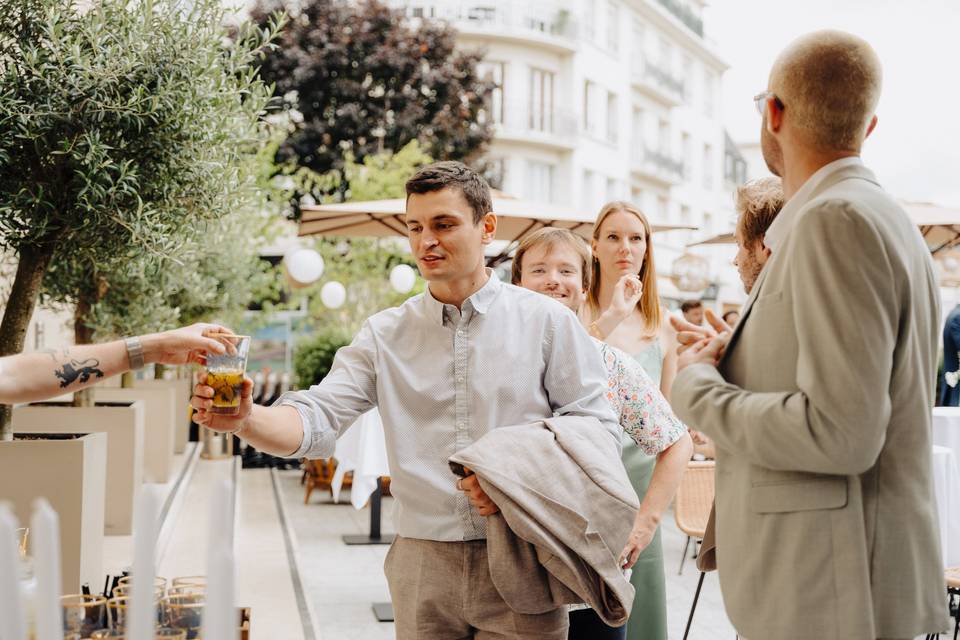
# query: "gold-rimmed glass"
{"points": [[225, 374], [185, 612], [22, 534], [126, 590], [166, 633], [184, 581], [159, 582], [83, 613]]}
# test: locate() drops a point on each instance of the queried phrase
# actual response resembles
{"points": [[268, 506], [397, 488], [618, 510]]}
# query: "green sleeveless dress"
{"points": [[648, 617]]}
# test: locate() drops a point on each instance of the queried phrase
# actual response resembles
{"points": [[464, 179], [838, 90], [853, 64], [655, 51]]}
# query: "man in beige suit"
{"points": [[819, 402]]}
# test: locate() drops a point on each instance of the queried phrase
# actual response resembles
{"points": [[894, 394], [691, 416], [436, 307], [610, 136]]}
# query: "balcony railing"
{"points": [[685, 15], [662, 78], [548, 18], [550, 126], [659, 163]]}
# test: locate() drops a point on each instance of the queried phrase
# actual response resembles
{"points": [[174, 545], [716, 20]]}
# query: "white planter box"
{"points": [[158, 408], [123, 424], [71, 474], [182, 390]]}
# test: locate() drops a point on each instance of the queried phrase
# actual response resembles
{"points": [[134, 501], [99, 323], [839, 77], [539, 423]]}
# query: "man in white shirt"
{"points": [[820, 405], [469, 355]]}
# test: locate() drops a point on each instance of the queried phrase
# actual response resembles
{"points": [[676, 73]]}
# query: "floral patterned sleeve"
{"points": [[645, 414]]}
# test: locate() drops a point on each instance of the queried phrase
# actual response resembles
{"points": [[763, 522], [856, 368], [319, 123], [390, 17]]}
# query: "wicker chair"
{"points": [[691, 510], [952, 577]]}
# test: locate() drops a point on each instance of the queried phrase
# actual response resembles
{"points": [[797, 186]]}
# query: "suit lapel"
{"points": [[745, 311]]}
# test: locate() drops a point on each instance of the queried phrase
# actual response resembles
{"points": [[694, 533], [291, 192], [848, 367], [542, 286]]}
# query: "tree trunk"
{"points": [[82, 334], [32, 265]]}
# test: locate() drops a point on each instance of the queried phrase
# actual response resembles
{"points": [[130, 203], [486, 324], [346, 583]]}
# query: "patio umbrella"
{"points": [[940, 227], [380, 218]]}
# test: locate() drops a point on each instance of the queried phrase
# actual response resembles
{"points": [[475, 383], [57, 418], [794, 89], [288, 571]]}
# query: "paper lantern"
{"points": [[304, 266], [690, 272], [333, 295], [402, 278]]}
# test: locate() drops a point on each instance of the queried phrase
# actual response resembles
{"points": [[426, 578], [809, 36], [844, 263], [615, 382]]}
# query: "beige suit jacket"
{"points": [[566, 511], [821, 414]]}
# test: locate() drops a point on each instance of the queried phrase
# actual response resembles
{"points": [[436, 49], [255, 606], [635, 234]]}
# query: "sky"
{"points": [[915, 150]]}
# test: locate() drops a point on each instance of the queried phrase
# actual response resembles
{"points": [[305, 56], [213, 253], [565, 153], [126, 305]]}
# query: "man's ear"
{"points": [[774, 116], [489, 223], [871, 127]]}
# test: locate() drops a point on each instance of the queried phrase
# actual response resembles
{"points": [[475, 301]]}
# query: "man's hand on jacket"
{"points": [[471, 486]]}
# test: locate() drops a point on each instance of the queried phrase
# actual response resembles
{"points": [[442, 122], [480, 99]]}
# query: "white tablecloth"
{"points": [[946, 428], [361, 449], [946, 484]]}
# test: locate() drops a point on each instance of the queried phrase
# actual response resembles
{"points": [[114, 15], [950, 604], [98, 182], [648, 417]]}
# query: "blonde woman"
{"points": [[555, 262], [624, 310]]}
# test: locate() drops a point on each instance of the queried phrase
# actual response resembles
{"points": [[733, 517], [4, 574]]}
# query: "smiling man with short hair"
{"points": [[467, 356]]}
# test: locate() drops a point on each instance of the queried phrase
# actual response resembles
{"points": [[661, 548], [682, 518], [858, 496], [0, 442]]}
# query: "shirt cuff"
{"points": [[312, 444]]}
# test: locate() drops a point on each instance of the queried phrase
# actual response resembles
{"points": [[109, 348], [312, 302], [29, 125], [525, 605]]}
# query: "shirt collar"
{"points": [[782, 224], [480, 300]]}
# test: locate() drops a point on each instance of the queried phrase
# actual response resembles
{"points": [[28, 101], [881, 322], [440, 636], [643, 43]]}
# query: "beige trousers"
{"points": [[443, 591]]}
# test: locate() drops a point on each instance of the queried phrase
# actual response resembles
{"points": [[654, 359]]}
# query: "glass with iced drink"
{"points": [[225, 374]]}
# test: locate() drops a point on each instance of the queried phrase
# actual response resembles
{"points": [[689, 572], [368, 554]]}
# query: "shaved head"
{"points": [[829, 82]]}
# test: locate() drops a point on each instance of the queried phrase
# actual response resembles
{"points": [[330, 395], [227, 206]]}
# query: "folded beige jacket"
{"points": [[566, 511]]}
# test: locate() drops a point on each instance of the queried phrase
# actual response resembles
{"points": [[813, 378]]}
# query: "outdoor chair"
{"points": [[691, 510], [319, 474], [952, 577]]}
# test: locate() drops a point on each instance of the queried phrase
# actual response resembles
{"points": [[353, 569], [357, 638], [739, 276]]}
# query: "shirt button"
{"points": [[459, 332], [460, 425], [460, 379]]}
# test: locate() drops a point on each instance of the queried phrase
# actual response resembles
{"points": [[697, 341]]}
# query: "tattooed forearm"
{"points": [[75, 370]]}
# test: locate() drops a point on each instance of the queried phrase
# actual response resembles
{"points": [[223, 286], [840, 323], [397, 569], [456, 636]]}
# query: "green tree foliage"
{"points": [[363, 265], [122, 124], [362, 79], [314, 355]]}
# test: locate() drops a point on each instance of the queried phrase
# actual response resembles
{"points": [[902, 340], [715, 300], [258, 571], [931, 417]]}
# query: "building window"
{"points": [[589, 19], [613, 26], [494, 73], [708, 93], [663, 208], [589, 108], [687, 151], [666, 56], [636, 197], [636, 47], [637, 136], [611, 117], [687, 79], [539, 187], [613, 191], [541, 100], [707, 224], [664, 138], [495, 172], [707, 166], [685, 215], [586, 195]]}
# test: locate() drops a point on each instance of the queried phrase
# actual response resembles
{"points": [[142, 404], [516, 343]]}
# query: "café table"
{"points": [[946, 428], [946, 483]]}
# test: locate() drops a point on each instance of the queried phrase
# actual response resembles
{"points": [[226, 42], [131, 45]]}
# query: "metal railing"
{"points": [[544, 17], [660, 162], [520, 117], [661, 77], [685, 15]]}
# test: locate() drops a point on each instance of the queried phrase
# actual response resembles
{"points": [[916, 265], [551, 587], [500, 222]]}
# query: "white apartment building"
{"points": [[599, 100]]}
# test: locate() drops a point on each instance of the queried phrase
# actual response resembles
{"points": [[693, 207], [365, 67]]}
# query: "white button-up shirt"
{"points": [[784, 221], [442, 377]]}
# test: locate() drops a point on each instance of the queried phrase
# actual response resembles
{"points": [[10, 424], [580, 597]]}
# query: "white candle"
{"points": [[143, 615], [13, 624], [219, 616], [45, 544]]}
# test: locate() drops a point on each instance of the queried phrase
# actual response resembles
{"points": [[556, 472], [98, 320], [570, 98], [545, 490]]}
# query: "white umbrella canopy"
{"points": [[940, 226], [379, 218]]}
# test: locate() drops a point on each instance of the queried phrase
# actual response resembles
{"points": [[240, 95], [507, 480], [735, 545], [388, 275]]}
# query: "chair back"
{"points": [[691, 507]]}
